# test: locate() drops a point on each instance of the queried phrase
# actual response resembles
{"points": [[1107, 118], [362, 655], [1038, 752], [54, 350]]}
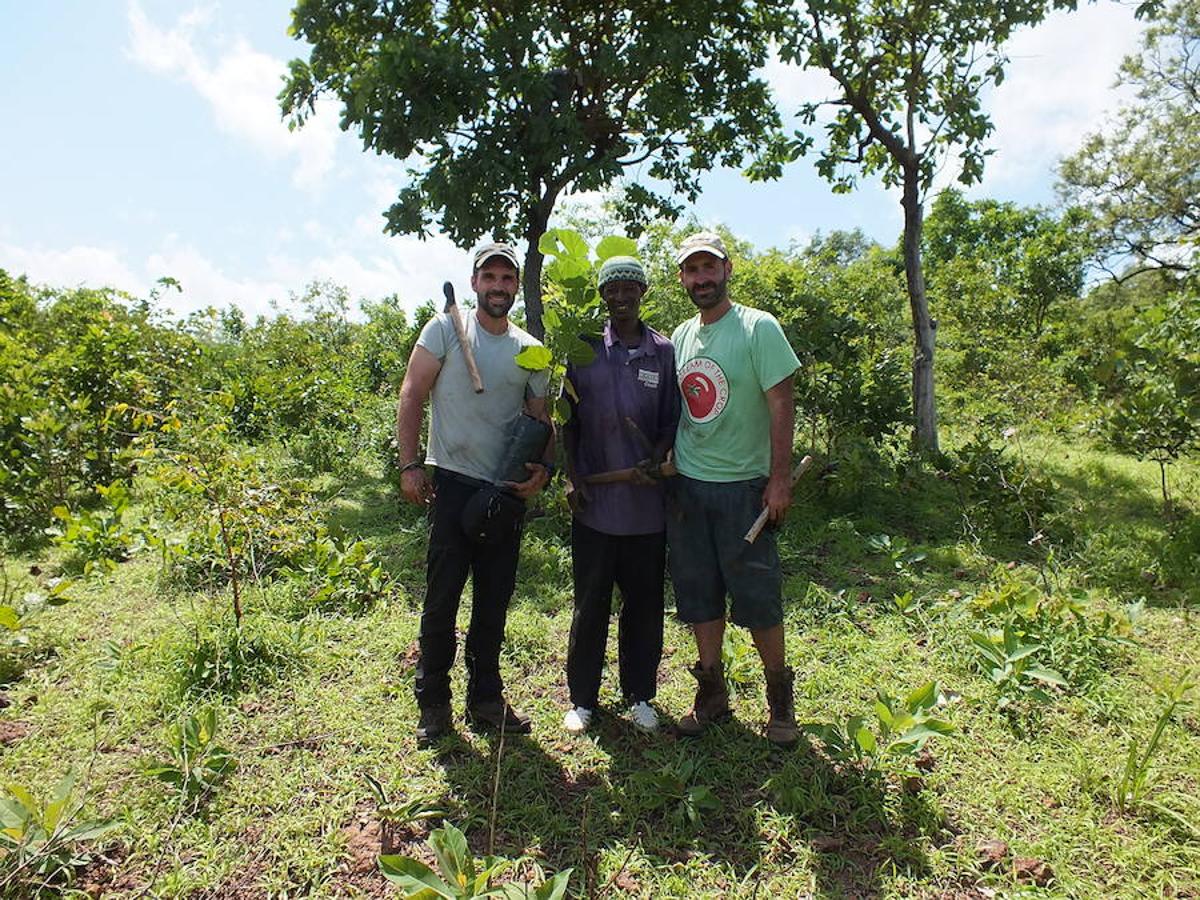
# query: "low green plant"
{"points": [[670, 787], [740, 660], [43, 838], [196, 763], [1011, 666], [18, 609], [346, 576], [461, 876], [1134, 779], [397, 812], [897, 551], [100, 536], [902, 728]]}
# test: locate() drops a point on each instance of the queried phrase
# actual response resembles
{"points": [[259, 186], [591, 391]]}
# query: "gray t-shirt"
{"points": [[467, 431]]}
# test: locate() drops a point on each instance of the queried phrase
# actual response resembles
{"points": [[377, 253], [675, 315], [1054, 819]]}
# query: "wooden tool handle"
{"points": [[665, 470], [461, 331], [761, 522]]}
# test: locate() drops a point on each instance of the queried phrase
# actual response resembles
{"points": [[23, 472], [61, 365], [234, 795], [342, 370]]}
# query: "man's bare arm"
{"points": [[422, 372], [778, 495]]}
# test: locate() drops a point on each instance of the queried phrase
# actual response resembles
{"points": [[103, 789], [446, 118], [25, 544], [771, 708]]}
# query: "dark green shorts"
{"points": [[708, 558]]}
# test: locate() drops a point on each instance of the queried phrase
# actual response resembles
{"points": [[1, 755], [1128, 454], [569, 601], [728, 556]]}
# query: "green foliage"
{"points": [[740, 660], [671, 787], [460, 875], [42, 838], [19, 609], [902, 728], [342, 575], [1010, 665], [397, 812], [897, 552], [1137, 180], [504, 114], [1134, 778], [224, 658], [1157, 414], [101, 536], [195, 762]]}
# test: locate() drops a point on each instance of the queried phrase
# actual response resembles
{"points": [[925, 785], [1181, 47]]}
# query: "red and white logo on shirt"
{"points": [[705, 389]]}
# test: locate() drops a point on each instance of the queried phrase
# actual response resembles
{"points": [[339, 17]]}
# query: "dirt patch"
{"points": [[107, 875], [12, 731], [367, 838]]}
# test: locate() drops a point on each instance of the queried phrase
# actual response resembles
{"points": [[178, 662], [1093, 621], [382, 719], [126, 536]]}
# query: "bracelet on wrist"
{"points": [[415, 464]]}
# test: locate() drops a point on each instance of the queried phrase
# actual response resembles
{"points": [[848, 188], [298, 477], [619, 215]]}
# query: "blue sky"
{"points": [[143, 139]]}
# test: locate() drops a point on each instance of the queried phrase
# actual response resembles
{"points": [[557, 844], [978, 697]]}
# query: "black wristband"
{"points": [[415, 464]]}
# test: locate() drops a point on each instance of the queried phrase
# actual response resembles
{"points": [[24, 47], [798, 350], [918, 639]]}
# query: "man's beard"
{"points": [[496, 303], [711, 298]]}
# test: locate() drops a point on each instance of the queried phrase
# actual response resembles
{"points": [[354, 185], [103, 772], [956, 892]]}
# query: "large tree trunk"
{"points": [[532, 287], [924, 405], [531, 284]]}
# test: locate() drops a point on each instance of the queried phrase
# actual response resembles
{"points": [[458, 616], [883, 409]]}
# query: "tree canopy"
{"points": [[502, 109], [1140, 178], [909, 77]]}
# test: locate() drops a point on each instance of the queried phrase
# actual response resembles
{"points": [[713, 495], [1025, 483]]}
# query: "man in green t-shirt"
{"points": [[733, 451]]}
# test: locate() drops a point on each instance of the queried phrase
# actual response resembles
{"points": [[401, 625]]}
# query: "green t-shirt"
{"points": [[724, 371]]}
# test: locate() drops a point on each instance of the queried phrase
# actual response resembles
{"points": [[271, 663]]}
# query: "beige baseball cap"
{"points": [[504, 251], [702, 242]]}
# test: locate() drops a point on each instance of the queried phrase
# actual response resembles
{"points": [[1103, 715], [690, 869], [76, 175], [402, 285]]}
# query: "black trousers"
{"points": [[493, 570], [635, 564]]}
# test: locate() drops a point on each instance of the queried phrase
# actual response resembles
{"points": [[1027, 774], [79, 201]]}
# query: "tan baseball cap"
{"points": [[702, 242], [504, 251]]}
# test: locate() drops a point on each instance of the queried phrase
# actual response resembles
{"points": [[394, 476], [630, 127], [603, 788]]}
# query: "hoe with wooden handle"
{"points": [[461, 331], [756, 529]]}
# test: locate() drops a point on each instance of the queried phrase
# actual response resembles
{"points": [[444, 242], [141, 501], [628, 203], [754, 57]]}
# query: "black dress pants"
{"points": [[493, 570], [635, 564]]}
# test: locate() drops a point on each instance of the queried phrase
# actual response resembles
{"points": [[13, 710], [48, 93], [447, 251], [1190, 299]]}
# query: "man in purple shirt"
{"points": [[624, 410]]}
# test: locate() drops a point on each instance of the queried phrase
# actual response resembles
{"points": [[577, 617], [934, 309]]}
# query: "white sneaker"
{"points": [[643, 716], [577, 720]]}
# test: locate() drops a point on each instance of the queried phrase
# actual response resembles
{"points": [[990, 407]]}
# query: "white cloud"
{"points": [[82, 265], [1059, 87], [240, 84], [406, 266]]}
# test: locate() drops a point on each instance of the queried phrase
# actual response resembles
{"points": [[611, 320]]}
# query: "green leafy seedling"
{"points": [[460, 876], [197, 763], [44, 837]]}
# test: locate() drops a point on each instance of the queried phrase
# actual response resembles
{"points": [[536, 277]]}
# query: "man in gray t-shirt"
{"points": [[467, 434]]}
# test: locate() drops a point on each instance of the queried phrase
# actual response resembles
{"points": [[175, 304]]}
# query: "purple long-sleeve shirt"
{"points": [[634, 382]]}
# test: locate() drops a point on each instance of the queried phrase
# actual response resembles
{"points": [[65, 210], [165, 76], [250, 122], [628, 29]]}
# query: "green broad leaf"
{"points": [[562, 242], [554, 888], [89, 831], [12, 812], [615, 245], [1020, 651], [883, 713], [569, 271], [580, 353], [562, 411], [865, 740], [533, 359], [1049, 676], [415, 878], [24, 797], [924, 697], [9, 618], [453, 855], [919, 734]]}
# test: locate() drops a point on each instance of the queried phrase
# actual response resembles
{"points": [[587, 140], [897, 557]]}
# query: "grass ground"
{"points": [[329, 702]]}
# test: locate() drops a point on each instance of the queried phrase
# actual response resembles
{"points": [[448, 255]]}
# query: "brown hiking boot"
{"points": [[781, 728], [499, 715], [712, 700]]}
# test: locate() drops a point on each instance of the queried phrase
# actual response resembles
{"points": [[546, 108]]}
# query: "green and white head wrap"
{"points": [[621, 268]]}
